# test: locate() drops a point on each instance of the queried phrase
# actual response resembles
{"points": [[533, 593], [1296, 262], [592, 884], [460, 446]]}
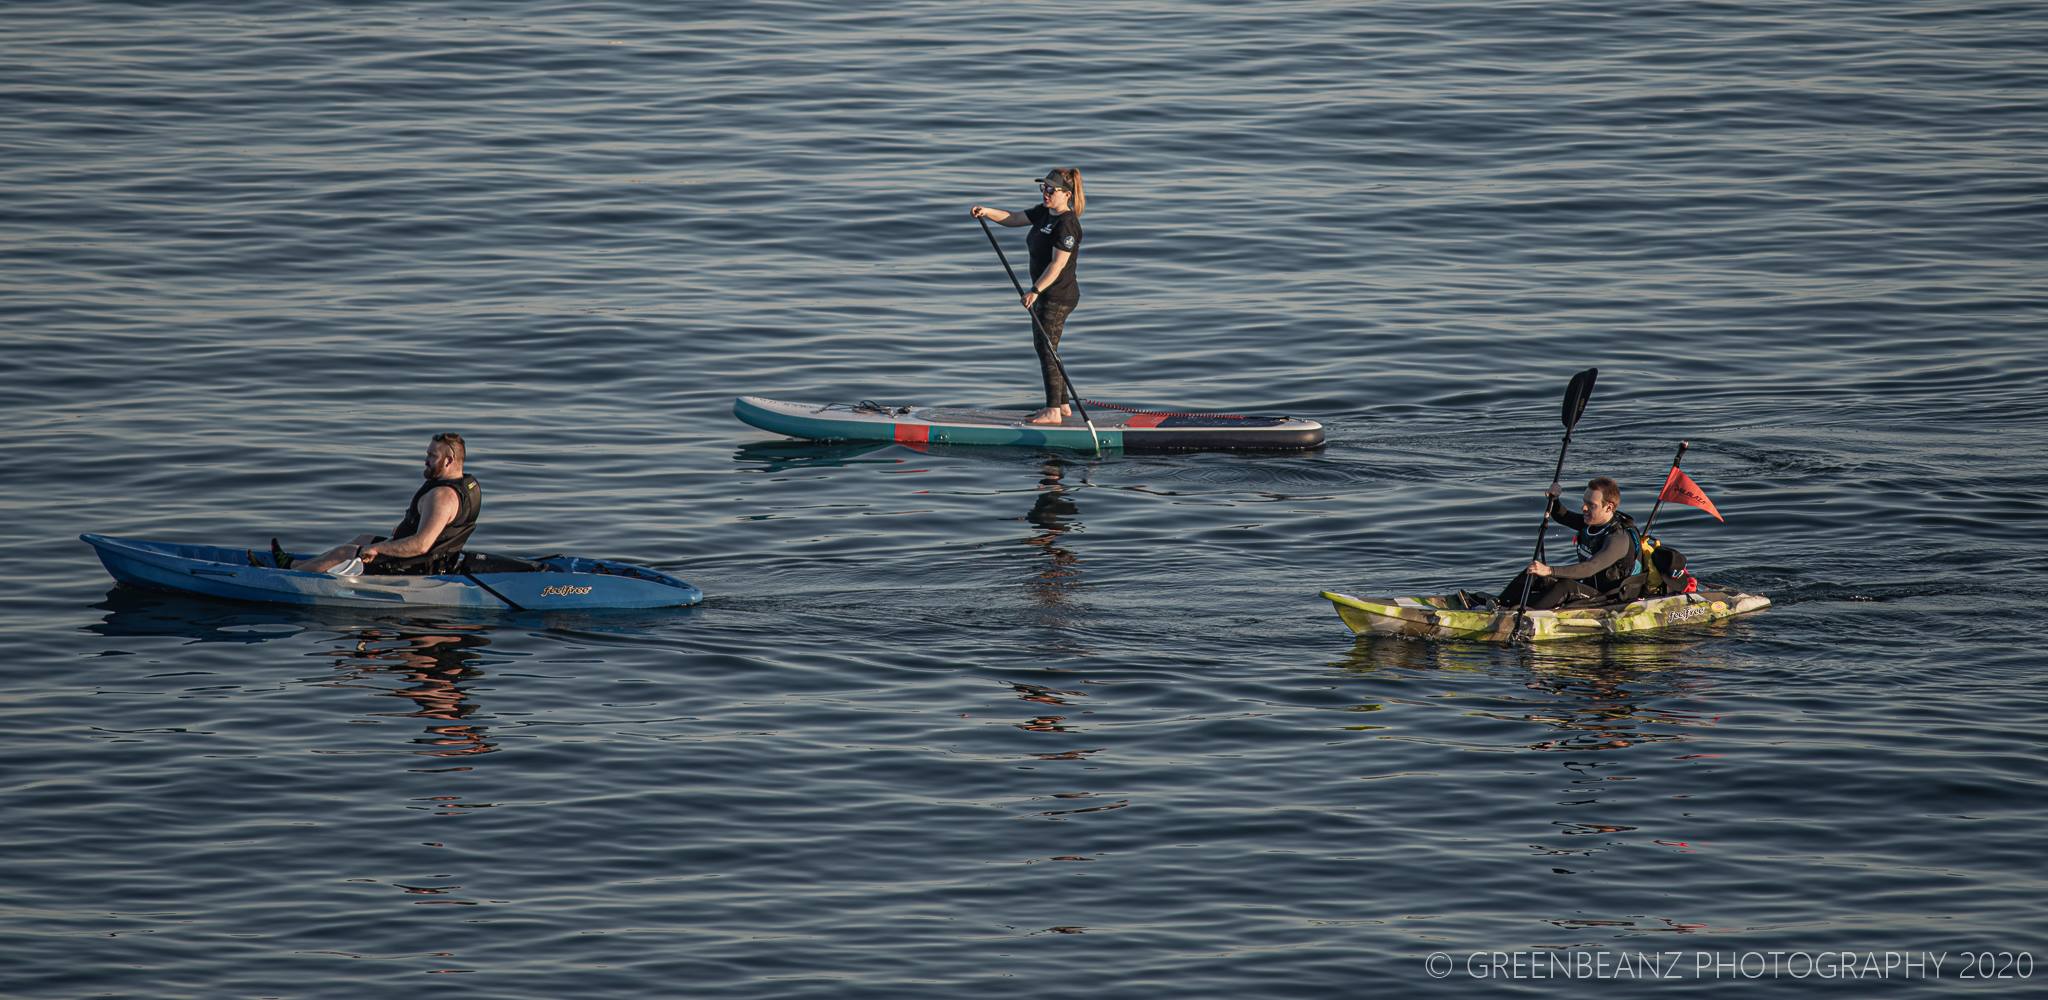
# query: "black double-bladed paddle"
{"points": [[1039, 332], [1575, 396]]}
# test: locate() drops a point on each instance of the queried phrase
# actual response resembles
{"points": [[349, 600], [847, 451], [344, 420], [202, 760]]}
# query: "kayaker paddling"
{"points": [[1597, 596], [429, 539], [1055, 244], [1605, 539]]}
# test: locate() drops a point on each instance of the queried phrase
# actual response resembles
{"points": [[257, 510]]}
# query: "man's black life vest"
{"points": [[1591, 540], [447, 550]]}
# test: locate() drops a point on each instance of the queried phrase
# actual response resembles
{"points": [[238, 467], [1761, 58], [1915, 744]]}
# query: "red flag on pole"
{"points": [[1679, 488]]}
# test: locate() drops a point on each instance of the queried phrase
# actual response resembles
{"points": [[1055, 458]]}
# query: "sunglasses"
{"points": [[1047, 189]]}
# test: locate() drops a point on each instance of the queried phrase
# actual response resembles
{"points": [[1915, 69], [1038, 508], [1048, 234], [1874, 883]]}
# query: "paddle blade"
{"points": [[1575, 395]]}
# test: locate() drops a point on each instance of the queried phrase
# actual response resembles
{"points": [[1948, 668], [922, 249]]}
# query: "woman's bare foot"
{"points": [[1066, 411], [1049, 415]]}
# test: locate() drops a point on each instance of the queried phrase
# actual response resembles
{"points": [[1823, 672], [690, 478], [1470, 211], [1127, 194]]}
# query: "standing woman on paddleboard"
{"points": [[1055, 242]]}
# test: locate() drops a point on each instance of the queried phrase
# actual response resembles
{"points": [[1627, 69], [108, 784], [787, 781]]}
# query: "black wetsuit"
{"points": [[1606, 555], [1050, 233], [446, 553]]}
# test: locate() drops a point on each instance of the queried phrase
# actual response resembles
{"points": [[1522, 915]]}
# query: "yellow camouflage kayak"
{"points": [[1445, 616]]}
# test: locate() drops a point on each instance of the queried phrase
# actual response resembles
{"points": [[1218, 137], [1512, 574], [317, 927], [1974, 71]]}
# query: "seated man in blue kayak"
{"points": [[429, 540], [1606, 540]]}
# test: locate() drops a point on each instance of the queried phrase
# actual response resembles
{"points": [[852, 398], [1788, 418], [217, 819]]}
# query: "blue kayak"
{"points": [[486, 582]]}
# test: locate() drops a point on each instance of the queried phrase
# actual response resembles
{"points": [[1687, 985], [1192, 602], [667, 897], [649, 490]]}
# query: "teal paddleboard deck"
{"points": [[1120, 428]]}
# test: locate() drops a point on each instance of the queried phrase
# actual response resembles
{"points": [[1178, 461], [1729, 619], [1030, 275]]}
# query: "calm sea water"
{"points": [[970, 720]]}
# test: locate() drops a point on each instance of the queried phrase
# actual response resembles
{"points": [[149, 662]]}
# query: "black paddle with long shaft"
{"points": [[1039, 332], [1659, 505], [1575, 396]]}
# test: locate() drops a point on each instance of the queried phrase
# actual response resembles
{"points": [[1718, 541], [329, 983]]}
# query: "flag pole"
{"points": [[1642, 557]]}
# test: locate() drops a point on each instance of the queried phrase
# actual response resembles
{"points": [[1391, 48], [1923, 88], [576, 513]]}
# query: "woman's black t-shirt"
{"points": [[1051, 232]]}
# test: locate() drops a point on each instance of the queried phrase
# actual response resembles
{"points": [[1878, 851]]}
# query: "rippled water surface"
{"points": [[963, 720]]}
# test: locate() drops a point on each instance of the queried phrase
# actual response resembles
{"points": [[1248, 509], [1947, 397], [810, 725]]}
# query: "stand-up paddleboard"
{"points": [[1118, 427]]}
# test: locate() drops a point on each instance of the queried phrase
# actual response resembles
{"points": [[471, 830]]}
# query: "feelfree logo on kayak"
{"points": [[563, 590]]}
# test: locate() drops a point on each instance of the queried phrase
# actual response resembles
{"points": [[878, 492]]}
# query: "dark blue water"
{"points": [[963, 721]]}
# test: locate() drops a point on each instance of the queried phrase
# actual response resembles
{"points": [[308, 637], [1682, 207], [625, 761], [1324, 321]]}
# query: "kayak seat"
{"points": [[484, 562], [1465, 600], [1607, 601], [636, 572]]}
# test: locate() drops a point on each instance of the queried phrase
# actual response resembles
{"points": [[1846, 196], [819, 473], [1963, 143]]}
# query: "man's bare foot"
{"points": [[1049, 415]]}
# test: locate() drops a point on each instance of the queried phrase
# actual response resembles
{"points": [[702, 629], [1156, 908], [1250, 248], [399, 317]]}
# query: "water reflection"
{"points": [[139, 613], [1599, 724], [1053, 512], [781, 456], [435, 661], [1580, 695], [1374, 653], [437, 668], [1053, 720], [1600, 698]]}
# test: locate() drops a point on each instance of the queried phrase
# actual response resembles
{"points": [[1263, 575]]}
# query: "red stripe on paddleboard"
{"points": [[913, 433], [1145, 420]]}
